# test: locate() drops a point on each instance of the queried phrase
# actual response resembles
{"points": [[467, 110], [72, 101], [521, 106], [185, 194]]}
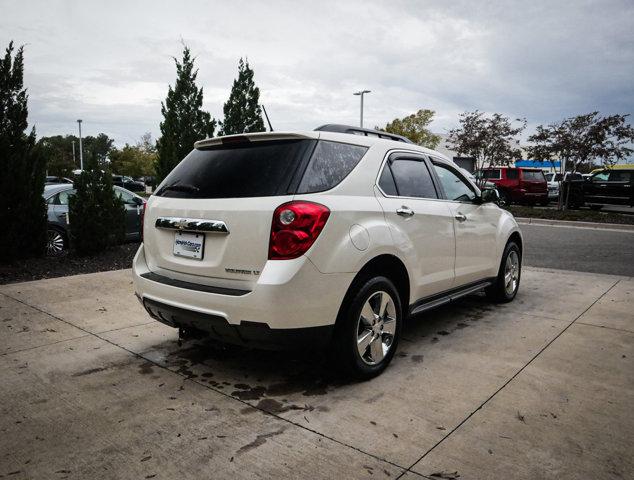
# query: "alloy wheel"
{"points": [[511, 272], [54, 243], [376, 327]]}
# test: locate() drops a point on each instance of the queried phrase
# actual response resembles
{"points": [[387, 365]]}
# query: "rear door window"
{"points": [[386, 182], [619, 176], [412, 178], [250, 169], [512, 174], [330, 163]]}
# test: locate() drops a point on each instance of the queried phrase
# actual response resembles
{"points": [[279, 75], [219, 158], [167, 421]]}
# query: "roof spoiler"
{"points": [[249, 137]]}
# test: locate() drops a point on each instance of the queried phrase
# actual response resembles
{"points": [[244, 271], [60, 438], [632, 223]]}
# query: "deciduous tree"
{"points": [[416, 128], [490, 140], [582, 140], [135, 160]]}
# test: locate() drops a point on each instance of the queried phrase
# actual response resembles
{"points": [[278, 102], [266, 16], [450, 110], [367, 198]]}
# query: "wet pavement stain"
{"points": [[417, 358], [146, 368], [259, 440], [90, 371]]}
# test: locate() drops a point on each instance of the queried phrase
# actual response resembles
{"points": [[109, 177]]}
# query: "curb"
{"points": [[569, 223]]}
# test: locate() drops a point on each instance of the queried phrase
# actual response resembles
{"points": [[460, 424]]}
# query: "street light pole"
{"points": [[74, 164], [81, 150], [361, 93]]}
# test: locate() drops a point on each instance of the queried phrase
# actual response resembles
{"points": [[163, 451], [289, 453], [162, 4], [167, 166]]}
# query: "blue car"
{"points": [[57, 196]]}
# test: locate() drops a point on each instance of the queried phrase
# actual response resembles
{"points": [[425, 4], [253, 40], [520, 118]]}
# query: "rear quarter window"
{"points": [[330, 163]]}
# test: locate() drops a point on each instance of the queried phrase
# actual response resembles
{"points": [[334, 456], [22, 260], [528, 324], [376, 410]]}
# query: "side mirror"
{"points": [[490, 195]]}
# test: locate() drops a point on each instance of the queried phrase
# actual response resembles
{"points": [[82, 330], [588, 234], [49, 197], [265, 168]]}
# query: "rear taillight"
{"points": [[295, 227]]}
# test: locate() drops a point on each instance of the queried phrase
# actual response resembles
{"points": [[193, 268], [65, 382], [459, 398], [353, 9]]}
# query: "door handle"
{"points": [[405, 211], [460, 217]]}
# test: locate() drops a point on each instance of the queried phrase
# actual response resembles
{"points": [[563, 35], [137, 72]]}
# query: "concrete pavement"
{"points": [[539, 388]]}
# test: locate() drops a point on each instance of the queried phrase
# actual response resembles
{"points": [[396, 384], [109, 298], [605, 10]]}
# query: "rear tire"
{"points": [[368, 328], [508, 280]]}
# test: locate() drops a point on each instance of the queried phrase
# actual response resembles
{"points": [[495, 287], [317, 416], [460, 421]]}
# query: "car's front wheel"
{"points": [[368, 328], [507, 282], [56, 242]]}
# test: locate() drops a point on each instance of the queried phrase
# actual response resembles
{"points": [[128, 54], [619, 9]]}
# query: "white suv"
{"points": [[319, 238]]}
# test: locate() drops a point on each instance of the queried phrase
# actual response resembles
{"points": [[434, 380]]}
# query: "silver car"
{"points": [[56, 197]]}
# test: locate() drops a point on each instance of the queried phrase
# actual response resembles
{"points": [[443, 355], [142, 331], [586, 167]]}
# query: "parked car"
{"points": [[54, 180], [128, 183], [518, 185], [609, 186], [57, 196], [319, 239], [554, 180]]}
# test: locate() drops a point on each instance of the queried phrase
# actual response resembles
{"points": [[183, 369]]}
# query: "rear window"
{"points": [[257, 169], [262, 169], [533, 175], [330, 163]]}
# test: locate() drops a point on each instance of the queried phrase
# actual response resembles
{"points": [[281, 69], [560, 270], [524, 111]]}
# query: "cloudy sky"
{"points": [[110, 63]]}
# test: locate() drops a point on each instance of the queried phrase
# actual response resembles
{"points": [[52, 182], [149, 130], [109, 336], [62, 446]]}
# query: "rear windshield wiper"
{"points": [[180, 188]]}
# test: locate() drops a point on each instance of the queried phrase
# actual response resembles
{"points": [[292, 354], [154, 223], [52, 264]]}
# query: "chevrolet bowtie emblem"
{"points": [[182, 223]]}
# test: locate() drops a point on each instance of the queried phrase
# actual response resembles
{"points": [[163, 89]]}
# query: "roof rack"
{"points": [[367, 132]]}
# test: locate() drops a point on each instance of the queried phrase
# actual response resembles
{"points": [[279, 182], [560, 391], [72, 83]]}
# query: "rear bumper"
{"points": [[291, 303], [252, 334]]}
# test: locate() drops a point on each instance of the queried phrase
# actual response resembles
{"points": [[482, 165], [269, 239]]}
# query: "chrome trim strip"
{"points": [[191, 224], [450, 296]]}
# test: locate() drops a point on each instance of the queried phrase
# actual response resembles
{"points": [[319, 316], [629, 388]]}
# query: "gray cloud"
{"points": [[110, 63]]}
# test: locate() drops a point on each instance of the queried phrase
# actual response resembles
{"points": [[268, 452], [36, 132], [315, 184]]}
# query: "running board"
{"points": [[449, 296]]}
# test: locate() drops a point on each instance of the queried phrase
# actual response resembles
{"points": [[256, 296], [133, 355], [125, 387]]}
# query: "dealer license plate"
{"points": [[189, 245]]}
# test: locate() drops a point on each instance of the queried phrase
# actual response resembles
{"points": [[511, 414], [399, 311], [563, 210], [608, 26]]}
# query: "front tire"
{"points": [[368, 328], [508, 280]]}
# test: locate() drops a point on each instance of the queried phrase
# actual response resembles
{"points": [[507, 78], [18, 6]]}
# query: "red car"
{"points": [[518, 185]]}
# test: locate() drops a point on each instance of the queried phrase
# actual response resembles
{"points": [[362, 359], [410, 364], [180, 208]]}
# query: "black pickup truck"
{"points": [[605, 187]]}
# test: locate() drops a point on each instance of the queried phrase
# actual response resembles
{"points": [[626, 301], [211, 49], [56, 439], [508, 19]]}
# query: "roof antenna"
{"points": [[267, 119]]}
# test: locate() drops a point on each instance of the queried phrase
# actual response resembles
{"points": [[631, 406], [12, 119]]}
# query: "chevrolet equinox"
{"points": [[331, 237]]}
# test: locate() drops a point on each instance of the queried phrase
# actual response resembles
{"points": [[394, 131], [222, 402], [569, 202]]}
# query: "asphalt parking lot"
{"points": [[539, 388]]}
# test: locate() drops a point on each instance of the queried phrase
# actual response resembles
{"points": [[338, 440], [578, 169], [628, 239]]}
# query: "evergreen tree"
{"points": [[96, 214], [22, 169], [184, 121], [242, 111]]}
